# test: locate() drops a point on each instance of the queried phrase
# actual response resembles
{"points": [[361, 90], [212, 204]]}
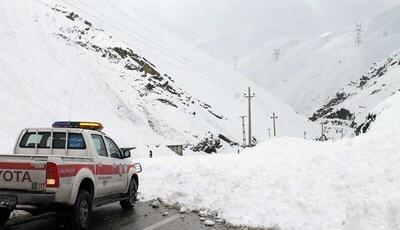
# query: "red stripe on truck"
{"points": [[105, 170], [22, 166], [69, 170], [72, 170]]}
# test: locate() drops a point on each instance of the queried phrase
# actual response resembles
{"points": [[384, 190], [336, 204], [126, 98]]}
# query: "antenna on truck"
{"points": [[72, 98]]}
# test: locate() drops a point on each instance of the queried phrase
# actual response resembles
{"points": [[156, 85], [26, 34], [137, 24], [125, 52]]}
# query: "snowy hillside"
{"points": [[312, 70], [351, 105], [90, 60]]}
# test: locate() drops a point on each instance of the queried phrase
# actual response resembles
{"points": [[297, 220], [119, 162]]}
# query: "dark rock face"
{"points": [[167, 102], [363, 128], [342, 114], [227, 140], [327, 108], [145, 66], [209, 145], [72, 16], [215, 115]]}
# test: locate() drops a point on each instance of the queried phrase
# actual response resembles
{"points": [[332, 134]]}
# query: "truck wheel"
{"points": [[129, 203], [4, 216], [81, 211]]}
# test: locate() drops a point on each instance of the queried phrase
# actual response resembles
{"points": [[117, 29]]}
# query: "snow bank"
{"points": [[289, 182]]}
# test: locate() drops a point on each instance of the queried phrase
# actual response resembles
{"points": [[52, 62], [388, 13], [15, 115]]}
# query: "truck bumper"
{"points": [[26, 199]]}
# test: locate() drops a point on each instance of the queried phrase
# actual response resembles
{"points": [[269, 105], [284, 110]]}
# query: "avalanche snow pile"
{"points": [[292, 183], [309, 70], [83, 60]]}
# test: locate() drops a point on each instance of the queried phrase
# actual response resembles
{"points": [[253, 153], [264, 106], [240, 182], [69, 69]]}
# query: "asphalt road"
{"points": [[111, 217]]}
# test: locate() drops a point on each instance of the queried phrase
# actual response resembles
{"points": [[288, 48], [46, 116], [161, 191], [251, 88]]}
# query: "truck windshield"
{"points": [[43, 140]]}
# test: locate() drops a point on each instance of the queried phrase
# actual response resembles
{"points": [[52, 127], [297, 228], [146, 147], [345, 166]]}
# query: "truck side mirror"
{"points": [[127, 153]]}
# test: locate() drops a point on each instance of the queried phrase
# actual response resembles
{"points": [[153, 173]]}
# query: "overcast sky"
{"points": [[197, 20]]}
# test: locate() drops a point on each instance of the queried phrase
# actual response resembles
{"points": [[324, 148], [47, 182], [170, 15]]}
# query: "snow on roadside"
{"points": [[289, 182]]}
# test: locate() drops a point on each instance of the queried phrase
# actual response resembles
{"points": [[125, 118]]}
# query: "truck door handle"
{"points": [[100, 164]]}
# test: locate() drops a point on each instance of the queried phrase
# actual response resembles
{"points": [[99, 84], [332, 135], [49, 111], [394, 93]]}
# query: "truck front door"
{"points": [[120, 174], [103, 167]]}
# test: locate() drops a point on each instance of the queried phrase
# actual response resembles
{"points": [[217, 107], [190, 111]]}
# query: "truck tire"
{"points": [[80, 213], [129, 203], [4, 216]]}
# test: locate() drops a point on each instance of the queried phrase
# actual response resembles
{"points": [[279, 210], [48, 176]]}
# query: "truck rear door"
{"points": [[19, 172]]}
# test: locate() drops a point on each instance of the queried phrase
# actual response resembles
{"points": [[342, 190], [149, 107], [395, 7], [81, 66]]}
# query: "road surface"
{"points": [[111, 216]]}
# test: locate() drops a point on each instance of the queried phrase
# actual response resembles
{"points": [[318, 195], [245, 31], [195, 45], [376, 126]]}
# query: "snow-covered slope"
{"points": [[309, 72], [90, 60], [387, 115], [354, 102]]}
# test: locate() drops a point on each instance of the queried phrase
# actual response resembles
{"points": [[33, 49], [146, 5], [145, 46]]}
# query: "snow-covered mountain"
{"points": [[309, 71], [91, 60], [353, 103]]}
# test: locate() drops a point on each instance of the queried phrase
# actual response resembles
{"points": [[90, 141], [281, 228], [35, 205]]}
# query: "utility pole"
{"points": [[322, 129], [235, 61], [243, 130], [305, 135], [277, 54], [249, 96], [274, 117], [269, 133], [358, 34]]}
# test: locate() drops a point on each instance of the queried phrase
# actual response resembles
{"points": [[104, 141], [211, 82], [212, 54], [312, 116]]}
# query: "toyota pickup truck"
{"points": [[68, 169]]}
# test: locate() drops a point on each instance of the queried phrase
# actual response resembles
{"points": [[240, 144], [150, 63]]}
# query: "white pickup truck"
{"points": [[69, 169]]}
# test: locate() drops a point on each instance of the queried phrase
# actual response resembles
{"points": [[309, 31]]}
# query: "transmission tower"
{"points": [[235, 61], [358, 34], [277, 54]]}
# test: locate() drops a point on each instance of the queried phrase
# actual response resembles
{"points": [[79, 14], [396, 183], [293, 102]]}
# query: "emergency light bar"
{"points": [[78, 125]]}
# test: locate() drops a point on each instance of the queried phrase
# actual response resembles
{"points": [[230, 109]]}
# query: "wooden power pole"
{"points": [[322, 130], [274, 117], [243, 130], [249, 96]]}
